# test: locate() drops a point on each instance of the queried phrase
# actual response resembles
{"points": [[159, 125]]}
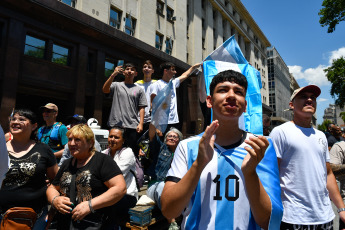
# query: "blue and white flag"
{"points": [[229, 56], [161, 107]]}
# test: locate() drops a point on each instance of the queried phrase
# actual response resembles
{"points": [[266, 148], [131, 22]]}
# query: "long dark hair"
{"points": [[32, 118]]}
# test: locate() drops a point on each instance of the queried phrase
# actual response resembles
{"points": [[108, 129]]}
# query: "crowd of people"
{"points": [[224, 178]]}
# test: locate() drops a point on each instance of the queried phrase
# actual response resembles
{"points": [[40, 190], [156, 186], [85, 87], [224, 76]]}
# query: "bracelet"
{"points": [[340, 210], [52, 203], [90, 206]]}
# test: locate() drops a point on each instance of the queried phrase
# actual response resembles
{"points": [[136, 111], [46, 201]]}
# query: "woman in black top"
{"points": [[86, 184], [30, 162]]}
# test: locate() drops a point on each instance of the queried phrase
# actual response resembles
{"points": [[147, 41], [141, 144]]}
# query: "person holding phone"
{"points": [[128, 100]]}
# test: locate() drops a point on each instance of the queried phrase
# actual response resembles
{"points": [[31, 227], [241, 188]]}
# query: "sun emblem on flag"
{"points": [[164, 106]]}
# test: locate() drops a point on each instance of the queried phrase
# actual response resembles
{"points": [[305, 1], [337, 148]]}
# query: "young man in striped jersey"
{"points": [[216, 180]]}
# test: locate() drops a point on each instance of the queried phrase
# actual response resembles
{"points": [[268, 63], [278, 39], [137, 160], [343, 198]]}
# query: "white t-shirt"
{"points": [[147, 89], [158, 86], [220, 200], [125, 159], [303, 174], [4, 159]]}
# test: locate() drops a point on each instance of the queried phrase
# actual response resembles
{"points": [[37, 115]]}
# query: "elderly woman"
{"points": [[30, 162], [85, 184], [125, 159]]}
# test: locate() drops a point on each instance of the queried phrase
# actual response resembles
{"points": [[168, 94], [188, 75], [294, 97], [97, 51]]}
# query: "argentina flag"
{"points": [[161, 107], [229, 56]]}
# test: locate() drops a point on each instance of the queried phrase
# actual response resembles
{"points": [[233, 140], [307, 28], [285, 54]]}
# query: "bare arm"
{"points": [[176, 196], [140, 126], [107, 84], [259, 200], [186, 74], [116, 190], [152, 97], [59, 153], [333, 190]]}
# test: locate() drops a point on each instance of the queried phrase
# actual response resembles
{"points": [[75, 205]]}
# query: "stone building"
{"points": [[63, 51]]}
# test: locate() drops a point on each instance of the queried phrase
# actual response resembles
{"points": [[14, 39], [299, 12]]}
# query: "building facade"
{"points": [[63, 51], [333, 114]]}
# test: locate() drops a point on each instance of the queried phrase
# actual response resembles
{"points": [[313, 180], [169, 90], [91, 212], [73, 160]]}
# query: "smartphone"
{"points": [[120, 62]]}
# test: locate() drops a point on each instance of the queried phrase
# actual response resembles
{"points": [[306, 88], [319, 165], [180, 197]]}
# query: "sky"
{"points": [[293, 28]]}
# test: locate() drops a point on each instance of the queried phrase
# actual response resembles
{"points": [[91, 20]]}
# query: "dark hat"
{"points": [[309, 88], [77, 119]]}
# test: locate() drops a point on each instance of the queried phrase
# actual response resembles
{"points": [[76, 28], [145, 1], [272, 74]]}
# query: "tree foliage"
{"points": [[342, 115], [323, 127], [332, 13], [336, 75]]}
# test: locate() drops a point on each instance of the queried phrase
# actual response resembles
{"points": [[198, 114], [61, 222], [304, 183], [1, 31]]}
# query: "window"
{"points": [[168, 46], [130, 25], [60, 55], [34, 47], [70, 2], [170, 14], [159, 41], [115, 18], [160, 8]]}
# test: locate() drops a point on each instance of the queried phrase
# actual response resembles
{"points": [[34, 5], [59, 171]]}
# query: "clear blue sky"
{"points": [[293, 28]]}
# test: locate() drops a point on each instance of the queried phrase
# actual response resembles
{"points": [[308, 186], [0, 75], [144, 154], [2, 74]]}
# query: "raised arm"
{"points": [[176, 196], [186, 74], [107, 84], [260, 203]]}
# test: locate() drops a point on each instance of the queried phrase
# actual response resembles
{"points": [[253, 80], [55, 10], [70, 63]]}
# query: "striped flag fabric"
{"points": [[161, 107], [229, 56]]}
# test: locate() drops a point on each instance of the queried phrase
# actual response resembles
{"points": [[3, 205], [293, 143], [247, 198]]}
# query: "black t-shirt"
{"points": [[25, 182], [89, 178]]}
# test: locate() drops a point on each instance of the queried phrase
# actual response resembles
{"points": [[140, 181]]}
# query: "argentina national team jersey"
{"points": [[220, 200]]}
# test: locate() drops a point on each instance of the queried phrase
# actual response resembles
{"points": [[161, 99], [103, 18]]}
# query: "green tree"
{"points": [[323, 127], [336, 75], [332, 13]]}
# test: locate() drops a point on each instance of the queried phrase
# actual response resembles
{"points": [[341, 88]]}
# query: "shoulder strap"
{"points": [[54, 135]]}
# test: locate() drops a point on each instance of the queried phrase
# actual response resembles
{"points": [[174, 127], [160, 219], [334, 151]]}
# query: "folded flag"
{"points": [[161, 107], [229, 56]]}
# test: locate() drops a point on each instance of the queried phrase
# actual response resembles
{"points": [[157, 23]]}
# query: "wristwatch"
{"points": [[340, 210]]}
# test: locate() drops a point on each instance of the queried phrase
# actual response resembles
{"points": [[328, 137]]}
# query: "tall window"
{"points": [[34, 47], [160, 7], [115, 18], [130, 25], [60, 55], [168, 45], [159, 41], [70, 2], [170, 14]]}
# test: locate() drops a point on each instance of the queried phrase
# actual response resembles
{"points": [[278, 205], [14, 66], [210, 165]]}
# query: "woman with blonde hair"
{"points": [[86, 184]]}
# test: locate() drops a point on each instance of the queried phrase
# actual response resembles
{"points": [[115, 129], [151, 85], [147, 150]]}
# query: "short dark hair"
{"points": [[29, 115], [266, 118], [129, 64], [165, 65], [231, 76], [148, 62]]}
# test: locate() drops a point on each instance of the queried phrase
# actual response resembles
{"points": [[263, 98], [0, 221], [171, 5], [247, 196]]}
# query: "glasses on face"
{"points": [[48, 111], [173, 137], [20, 120]]}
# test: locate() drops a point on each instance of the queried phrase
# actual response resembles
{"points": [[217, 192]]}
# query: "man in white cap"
{"points": [[53, 133], [306, 178]]}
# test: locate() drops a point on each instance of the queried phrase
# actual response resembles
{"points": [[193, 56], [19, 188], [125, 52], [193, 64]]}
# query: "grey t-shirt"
{"points": [[127, 98]]}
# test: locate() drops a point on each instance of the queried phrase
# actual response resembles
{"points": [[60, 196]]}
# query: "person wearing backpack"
{"points": [[53, 133]]}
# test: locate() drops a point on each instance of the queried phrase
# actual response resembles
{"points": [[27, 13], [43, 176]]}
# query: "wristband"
{"points": [[90, 206], [52, 203], [340, 210]]}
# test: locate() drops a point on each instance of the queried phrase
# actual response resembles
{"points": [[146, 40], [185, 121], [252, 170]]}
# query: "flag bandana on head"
{"points": [[161, 107], [229, 56]]}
